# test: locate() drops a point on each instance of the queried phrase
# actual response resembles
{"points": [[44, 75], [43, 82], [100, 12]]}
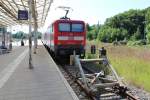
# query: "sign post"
{"points": [[23, 15]]}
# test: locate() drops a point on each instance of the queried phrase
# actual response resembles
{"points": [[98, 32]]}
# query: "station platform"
{"points": [[44, 82]]}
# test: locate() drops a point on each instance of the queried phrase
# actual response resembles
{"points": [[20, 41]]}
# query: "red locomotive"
{"points": [[64, 36]]}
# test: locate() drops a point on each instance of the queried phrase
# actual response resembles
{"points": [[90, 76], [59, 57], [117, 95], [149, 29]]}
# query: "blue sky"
{"points": [[92, 11]]}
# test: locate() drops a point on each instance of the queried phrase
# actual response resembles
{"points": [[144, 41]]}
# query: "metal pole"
{"points": [[3, 35], [30, 35], [36, 42], [10, 38], [35, 38], [77, 61]]}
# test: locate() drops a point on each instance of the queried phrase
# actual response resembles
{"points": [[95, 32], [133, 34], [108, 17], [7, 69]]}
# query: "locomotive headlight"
{"points": [[59, 43]]}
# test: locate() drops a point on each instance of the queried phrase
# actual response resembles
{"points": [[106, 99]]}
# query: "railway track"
{"points": [[77, 79], [75, 83], [91, 85]]}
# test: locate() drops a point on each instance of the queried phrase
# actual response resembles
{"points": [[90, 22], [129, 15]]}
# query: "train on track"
{"points": [[64, 36]]}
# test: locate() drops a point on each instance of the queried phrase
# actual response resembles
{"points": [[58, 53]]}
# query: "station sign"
{"points": [[22, 15]]}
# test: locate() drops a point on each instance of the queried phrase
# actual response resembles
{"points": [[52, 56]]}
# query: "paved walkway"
{"points": [[44, 82]]}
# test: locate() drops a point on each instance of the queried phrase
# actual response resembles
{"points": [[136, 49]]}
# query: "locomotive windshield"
{"points": [[74, 27], [77, 27], [64, 27]]}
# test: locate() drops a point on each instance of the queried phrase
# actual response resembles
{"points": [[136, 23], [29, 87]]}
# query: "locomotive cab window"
{"points": [[64, 27], [77, 28]]}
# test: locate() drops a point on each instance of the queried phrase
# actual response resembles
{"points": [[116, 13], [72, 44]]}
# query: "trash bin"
{"points": [[93, 49], [22, 43]]}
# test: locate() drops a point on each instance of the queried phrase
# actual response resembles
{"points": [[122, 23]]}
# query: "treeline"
{"points": [[22, 35], [132, 25]]}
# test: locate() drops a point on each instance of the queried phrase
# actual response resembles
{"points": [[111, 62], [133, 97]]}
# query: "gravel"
{"points": [[142, 94]]}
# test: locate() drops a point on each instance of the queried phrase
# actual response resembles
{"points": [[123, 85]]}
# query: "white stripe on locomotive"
{"points": [[68, 38]]}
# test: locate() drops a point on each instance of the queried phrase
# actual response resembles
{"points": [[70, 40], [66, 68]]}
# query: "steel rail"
{"points": [[84, 88], [129, 95]]}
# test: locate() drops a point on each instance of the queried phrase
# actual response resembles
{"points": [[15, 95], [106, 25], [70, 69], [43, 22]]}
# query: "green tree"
{"points": [[137, 34], [88, 27], [89, 35], [129, 20], [38, 34], [148, 33], [127, 25], [108, 34], [20, 35], [147, 17], [92, 31]]}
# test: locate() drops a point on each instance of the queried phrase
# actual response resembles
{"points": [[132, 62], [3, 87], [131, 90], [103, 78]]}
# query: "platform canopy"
{"points": [[9, 11]]}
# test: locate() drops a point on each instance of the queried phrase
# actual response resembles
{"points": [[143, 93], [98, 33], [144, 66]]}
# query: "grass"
{"points": [[131, 63], [134, 71]]}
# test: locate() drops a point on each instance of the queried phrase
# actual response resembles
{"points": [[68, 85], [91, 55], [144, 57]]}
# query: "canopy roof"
{"points": [[9, 11]]}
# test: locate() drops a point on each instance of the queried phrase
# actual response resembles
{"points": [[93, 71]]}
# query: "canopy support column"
{"points": [[35, 38], [30, 35]]}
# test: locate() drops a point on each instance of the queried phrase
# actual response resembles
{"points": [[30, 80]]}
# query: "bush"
{"points": [[133, 43], [148, 38], [90, 56], [109, 34]]}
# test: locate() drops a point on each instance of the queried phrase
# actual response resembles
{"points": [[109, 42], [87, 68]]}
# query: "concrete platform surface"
{"points": [[44, 82]]}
